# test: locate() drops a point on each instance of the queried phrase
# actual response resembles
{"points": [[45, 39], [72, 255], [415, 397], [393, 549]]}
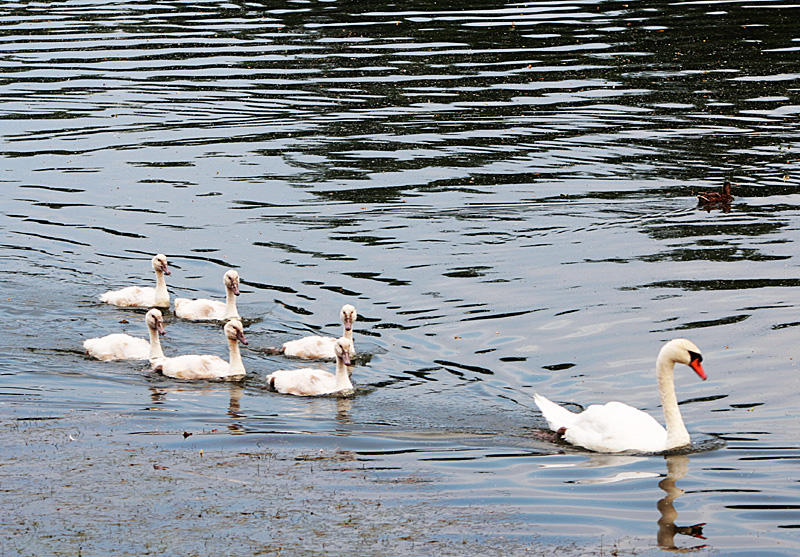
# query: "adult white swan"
{"points": [[615, 427], [193, 366], [143, 296], [309, 381], [312, 347], [119, 346], [212, 310]]}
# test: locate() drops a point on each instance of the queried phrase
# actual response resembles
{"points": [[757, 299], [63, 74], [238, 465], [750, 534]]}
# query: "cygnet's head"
{"points": [[155, 321], [231, 281], [348, 316], [343, 348], [235, 331], [160, 264], [684, 351]]}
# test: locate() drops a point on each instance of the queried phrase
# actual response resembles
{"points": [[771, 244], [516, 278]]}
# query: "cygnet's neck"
{"points": [[677, 435], [235, 358], [342, 376], [348, 334], [230, 305], [162, 295], [155, 345]]}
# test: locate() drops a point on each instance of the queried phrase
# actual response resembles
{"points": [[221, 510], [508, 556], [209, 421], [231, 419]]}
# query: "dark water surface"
{"points": [[504, 191]]}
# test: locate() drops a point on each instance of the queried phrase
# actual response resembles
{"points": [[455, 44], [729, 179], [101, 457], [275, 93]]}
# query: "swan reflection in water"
{"points": [[677, 467], [343, 407], [235, 391]]}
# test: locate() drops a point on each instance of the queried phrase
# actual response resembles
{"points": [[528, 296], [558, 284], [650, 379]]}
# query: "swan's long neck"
{"points": [[162, 295], [677, 436], [230, 305], [347, 334], [155, 345], [342, 376], [235, 359]]}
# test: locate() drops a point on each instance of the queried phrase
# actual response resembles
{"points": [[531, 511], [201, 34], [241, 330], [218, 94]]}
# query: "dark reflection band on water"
{"points": [[302, 65]]}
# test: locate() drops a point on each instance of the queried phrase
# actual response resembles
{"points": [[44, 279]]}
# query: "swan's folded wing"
{"points": [[117, 346], [132, 296], [199, 310], [302, 382], [193, 366], [311, 347], [615, 427]]}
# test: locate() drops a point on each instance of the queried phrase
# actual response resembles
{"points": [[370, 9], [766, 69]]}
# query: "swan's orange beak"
{"points": [[698, 369]]}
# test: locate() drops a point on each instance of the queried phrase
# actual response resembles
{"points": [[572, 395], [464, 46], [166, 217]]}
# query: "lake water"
{"points": [[506, 192]]}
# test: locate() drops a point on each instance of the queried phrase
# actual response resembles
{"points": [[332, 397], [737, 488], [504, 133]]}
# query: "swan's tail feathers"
{"points": [[557, 417]]}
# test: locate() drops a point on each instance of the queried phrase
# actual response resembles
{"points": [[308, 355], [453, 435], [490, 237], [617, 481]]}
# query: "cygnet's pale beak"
{"points": [[235, 288], [160, 328], [240, 337], [165, 269], [348, 322], [346, 359]]}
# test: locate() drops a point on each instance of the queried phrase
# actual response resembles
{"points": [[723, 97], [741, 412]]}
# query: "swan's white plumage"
{"points": [[317, 347], [310, 381], [193, 366], [615, 426], [143, 296], [310, 347], [303, 381], [598, 428], [211, 367], [119, 346], [212, 310]]}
